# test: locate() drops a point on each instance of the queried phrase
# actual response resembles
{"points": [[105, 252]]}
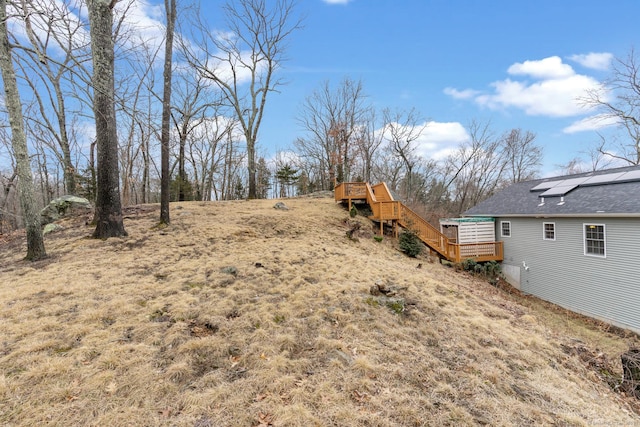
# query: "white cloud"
{"points": [[64, 19], [461, 94], [547, 68], [596, 61], [553, 89], [224, 71], [337, 1], [85, 132], [553, 97], [446, 133], [284, 157], [590, 124], [439, 139], [145, 20]]}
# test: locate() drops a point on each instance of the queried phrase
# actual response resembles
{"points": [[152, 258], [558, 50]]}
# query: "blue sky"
{"points": [[513, 63], [517, 64]]}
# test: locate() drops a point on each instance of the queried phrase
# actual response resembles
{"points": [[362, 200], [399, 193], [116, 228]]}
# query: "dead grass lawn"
{"points": [[238, 314]]}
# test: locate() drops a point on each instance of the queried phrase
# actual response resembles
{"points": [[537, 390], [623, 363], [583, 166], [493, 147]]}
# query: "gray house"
{"points": [[574, 241]]}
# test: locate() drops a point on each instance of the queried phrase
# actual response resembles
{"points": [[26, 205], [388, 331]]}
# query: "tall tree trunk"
{"points": [[69, 169], [35, 242], [182, 175], [108, 204], [145, 168], [251, 163], [93, 190], [170, 7]]}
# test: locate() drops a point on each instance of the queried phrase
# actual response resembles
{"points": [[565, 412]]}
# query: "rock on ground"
{"points": [[64, 206]]}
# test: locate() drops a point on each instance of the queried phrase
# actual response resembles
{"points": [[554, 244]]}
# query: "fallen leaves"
{"points": [[360, 397], [264, 419]]}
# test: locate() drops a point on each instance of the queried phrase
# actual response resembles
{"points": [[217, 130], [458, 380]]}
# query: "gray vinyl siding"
{"points": [[559, 271]]}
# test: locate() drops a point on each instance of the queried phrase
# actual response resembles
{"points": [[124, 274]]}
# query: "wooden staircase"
{"points": [[386, 210]]}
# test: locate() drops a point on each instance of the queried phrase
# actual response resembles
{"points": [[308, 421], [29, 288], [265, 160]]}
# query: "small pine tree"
{"points": [[287, 177], [176, 186], [410, 244]]}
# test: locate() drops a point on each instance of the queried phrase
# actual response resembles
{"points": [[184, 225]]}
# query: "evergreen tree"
{"points": [[287, 177]]}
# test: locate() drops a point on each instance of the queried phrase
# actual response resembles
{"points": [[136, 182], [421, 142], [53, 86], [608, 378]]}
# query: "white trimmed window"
{"points": [[595, 240], [549, 230], [505, 228]]}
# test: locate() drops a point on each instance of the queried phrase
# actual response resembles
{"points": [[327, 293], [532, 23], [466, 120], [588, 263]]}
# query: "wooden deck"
{"points": [[387, 210]]}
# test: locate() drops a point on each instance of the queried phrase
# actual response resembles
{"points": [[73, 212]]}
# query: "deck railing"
{"points": [[384, 208], [485, 251], [351, 190], [382, 192], [386, 211], [426, 232]]}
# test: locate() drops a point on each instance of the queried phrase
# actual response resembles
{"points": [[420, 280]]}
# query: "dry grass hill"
{"points": [[239, 314]]}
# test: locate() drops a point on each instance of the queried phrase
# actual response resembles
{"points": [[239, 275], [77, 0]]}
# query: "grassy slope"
{"points": [[239, 314]]}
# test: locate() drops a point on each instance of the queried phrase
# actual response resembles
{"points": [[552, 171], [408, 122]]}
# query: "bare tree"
{"points": [[35, 242], [475, 170], [50, 30], [170, 8], [618, 100], [206, 153], [139, 120], [523, 157], [243, 62], [332, 119], [263, 179], [9, 206], [402, 129], [7, 184], [591, 160], [387, 167], [486, 163], [368, 139], [190, 111], [108, 206]]}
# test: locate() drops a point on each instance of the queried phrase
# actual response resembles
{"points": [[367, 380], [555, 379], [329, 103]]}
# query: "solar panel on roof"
{"points": [[545, 185], [574, 181], [559, 190], [562, 187], [602, 179], [629, 176]]}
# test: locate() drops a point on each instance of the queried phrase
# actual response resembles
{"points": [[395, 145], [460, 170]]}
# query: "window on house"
{"points": [[549, 231], [505, 228], [594, 240]]}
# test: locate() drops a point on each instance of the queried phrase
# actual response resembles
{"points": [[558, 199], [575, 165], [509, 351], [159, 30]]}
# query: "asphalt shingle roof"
{"points": [[610, 199]]}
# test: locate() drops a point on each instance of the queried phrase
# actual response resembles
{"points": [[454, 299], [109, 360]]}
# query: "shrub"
{"points": [[469, 265], [353, 212], [410, 244], [365, 211], [492, 269], [396, 305], [378, 238]]}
